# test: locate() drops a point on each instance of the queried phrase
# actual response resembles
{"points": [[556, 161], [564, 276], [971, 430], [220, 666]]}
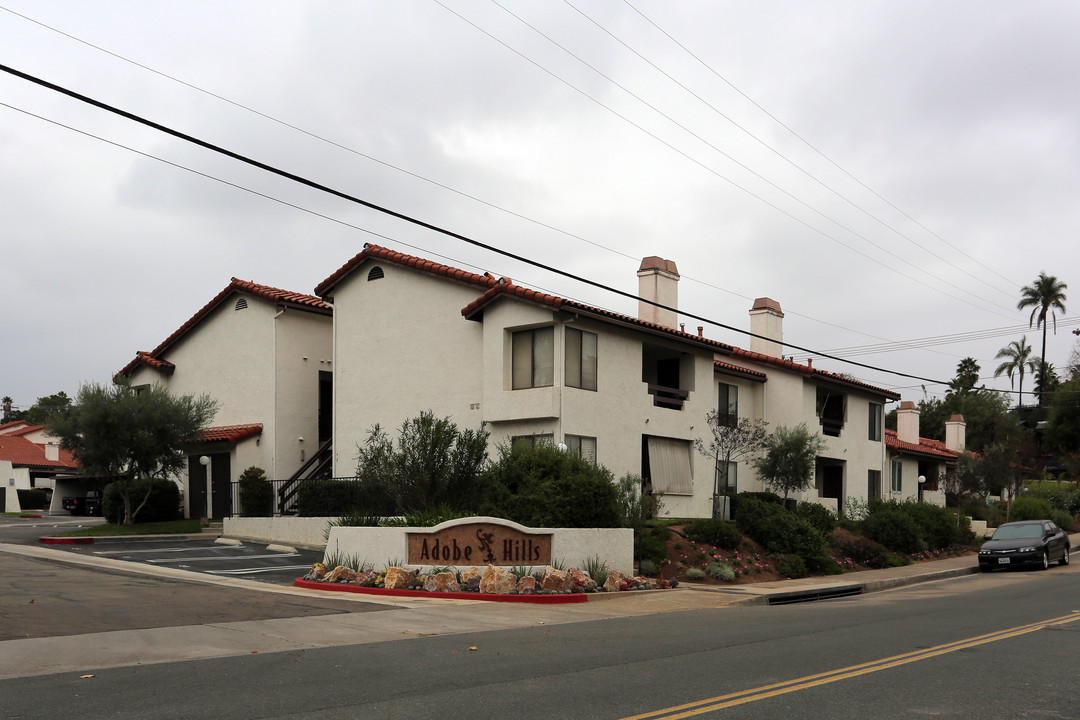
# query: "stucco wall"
{"points": [[308, 532], [401, 347], [304, 345]]}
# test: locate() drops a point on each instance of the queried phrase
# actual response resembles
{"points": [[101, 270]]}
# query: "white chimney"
{"points": [[658, 281], [767, 321], [956, 433], [907, 423], [52, 452]]}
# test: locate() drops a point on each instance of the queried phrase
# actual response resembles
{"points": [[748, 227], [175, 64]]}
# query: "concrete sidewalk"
{"points": [[404, 618]]}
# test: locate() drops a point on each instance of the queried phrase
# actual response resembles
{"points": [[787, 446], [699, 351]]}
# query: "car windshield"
{"points": [[1017, 532]]}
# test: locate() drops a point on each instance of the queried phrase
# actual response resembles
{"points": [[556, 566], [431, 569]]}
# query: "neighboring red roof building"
{"points": [[20, 452], [927, 448]]}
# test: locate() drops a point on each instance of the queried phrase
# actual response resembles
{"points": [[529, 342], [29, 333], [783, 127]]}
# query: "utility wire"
{"points": [[412, 220], [811, 145], [410, 173], [730, 158], [783, 157]]}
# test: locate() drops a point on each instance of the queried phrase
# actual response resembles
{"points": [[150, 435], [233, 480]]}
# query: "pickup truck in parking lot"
{"points": [[89, 505]]}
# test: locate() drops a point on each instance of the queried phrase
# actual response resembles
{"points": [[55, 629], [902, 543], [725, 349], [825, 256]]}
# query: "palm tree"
{"points": [[1045, 295], [1018, 358]]}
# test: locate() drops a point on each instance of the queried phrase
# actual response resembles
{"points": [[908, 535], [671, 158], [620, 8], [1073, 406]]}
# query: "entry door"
{"points": [[196, 489], [221, 479]]}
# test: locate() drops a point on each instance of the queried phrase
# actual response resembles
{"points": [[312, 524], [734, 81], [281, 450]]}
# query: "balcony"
{"points": [[668, 397]]}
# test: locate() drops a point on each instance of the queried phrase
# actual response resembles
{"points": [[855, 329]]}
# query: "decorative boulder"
{"points": [[497, 581], [614, 582], [661, 584], [398, 578], [470, 579], [317, 573], [555, 580], [368, 578], [442, 582], [341, 574], [581, 579], [526, 585]]}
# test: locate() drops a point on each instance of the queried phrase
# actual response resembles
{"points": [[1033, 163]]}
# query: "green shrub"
{"points": [[543, 486], [1060, 497], [162, 505], [817, 515], [329, 498], [792, 566], [937, 525], [1028, 507], [597, 569], [714, 531], [1063, 520], [256, 493], [889, 525], [778, 530], [426, 518], [975, 508], [31, 498], [864, 552], [695, 574], [649, 547], [766, 496], [649, 568], [720, 571]]}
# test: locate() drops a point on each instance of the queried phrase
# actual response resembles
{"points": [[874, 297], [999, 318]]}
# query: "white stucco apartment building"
{"points": [[411, 335], [265, 355]]}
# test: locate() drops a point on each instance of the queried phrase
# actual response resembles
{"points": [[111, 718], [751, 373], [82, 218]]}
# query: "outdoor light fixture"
{"points": [[204, 460]]}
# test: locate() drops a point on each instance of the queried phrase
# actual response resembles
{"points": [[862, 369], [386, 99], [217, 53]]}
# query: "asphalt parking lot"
{"points": [[250, 561]]}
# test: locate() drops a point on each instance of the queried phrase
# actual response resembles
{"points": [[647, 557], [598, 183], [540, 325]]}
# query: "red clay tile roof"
{"points": [[728, 369], [276, 296], [18, 432], [10, 428], [227, 433], [325, 288], [926, 447], [23, 453], [506, 287]]}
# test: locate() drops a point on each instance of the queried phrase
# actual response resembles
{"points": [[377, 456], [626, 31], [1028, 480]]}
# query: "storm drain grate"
{"points": [[828, 593]]}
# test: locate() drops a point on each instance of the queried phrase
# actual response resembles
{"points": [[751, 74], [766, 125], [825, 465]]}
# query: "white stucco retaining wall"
{"points": [[569, 546], [303, 531]]}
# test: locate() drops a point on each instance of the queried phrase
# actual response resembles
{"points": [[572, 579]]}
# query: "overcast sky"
{"points": [[888, 171]]}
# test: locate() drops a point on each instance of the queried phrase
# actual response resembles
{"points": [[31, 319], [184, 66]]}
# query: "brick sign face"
{"points": [[479, 544]]}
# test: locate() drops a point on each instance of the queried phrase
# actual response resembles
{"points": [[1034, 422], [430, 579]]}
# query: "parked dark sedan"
{"points": [[1031, 542]]}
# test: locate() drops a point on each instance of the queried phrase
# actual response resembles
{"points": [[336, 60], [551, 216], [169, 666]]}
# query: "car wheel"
{"points": [[985, 568], [1064, 558], [1045, 560]]}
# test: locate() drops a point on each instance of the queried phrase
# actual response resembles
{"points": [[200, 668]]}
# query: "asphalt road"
{"points": [[982, 646], [28, 530]]}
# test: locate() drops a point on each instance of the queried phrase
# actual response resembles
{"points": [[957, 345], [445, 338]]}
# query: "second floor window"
{"points": [[727, 407], [874, 431], [897, 477], [533, 358], [580, 359]]}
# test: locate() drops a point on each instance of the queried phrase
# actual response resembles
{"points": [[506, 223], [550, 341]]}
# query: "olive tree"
{"points": [[119, 432], [790, 459]]}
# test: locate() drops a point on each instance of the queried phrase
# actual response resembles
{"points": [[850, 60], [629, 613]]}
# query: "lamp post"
{"points": [[922, 480], [208, 506]]}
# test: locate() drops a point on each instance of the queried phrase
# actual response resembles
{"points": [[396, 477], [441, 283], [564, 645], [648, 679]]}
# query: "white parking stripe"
{"points": [[252, 571], [158, 550], [219, 558]]}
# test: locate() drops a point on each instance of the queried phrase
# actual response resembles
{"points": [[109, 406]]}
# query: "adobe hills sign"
{"points": [[478, 543]]}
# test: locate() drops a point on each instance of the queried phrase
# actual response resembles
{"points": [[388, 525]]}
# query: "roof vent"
{"points": [[376, 274], [241, 304]]}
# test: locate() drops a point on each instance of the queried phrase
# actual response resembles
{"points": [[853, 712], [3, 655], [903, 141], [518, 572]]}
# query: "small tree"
{"points": [[116, 431], [790, 459], [730, 443], [965, 480], [434, 463]]}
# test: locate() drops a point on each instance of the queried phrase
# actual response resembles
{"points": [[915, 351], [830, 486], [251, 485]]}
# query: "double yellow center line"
{"points": [[767, 691]]}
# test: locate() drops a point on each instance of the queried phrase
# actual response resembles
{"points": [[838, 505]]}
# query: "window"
{"points": [[897, 477], [580, 359], [534, 358], [668, 463], [727, 406], [532, 440], [726, 476], [831, 408], [873, 484], [874, 427], [583, 447]]}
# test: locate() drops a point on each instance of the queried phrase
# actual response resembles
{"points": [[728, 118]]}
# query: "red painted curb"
{"points": [[50, 540], [29, 516], [535, 599]]}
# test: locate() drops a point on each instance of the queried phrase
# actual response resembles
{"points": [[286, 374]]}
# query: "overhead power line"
{"points": [[372, 158], [412, 220]]}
